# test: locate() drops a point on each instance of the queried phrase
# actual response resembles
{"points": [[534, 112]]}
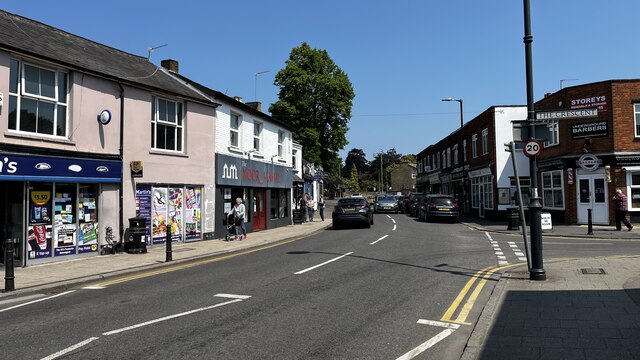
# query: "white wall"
{"points": [[504, 116]]}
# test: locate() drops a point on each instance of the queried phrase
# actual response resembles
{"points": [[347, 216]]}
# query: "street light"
{"points": [[463, 150], [255, 86]]}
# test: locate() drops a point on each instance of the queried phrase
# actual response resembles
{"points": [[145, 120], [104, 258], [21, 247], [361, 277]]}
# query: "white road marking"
{"points": [[519, 253], [502, 262], [438, 323], [427, 344], [511, 242], [233, 296], [500, 257], [117, 331], [393, 220], [93, 287], [394, 227], [389, 216], [522, 258], [499, 253], [513, 246], [69, 349], [37, 301], [382, 238], [324, 263]]}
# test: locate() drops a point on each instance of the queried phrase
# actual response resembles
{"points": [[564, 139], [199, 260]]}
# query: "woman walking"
{"points": [[238, 215]]}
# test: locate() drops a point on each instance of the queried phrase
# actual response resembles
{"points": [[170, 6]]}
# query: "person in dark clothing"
{"points": [[321, 207], [620, 201]]}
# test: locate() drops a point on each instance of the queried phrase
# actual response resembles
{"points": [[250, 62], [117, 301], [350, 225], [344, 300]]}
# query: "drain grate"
{"points": [[593, 271]]}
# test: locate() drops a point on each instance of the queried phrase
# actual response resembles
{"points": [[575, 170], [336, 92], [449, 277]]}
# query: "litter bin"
{"points": [[137, 229], [513, 218]]}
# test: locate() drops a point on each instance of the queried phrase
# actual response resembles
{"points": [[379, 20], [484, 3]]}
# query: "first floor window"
{"points": [[554, 133], [281, 138], [474, 146], [552, 190], [234, 130], [166, 124], [485, 141], [636, 117], [257, 136]]}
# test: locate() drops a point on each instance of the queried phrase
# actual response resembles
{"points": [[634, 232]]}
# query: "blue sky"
{"points": [[402, 56]]}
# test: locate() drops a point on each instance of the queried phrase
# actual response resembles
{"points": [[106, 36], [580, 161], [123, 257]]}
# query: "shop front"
{"points": [[56, 208], [265, 189]]}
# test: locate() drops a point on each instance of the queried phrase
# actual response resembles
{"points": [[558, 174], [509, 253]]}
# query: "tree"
{"points": [[354, 181], [357, 158], [315, 98]]}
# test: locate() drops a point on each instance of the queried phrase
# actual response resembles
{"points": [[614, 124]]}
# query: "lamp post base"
{"points": [[537, 275]]}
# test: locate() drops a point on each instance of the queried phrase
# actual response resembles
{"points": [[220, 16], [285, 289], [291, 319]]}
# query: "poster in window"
{"points": [[175, 213], [65, 239], [39, 241], [88, 237], [504, 197], [143, 208], [159, 215], [192, 222]]}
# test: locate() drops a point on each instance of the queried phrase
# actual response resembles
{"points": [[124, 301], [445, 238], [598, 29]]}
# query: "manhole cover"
{"points": [[593, 271]]}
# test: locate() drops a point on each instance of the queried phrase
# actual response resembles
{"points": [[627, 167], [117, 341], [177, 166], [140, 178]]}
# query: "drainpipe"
{"points": [[121, 155]]}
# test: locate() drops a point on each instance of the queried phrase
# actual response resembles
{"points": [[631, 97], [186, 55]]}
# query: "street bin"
{"points": [[513, 218], [137, 229]]}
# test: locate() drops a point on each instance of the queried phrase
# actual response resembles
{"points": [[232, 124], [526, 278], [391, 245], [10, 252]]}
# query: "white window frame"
{"points": [[636, 118], [485, 141], [449, 157], [177, 123], [554, 133], [474, 146], [258, 137], [282, 138], [21, 94], [633, 189], [235, 116], [486, 182], [552, 188], [455, 155]]}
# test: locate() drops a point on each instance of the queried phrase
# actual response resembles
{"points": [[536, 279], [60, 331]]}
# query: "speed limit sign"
{"points": [[532, 148]]}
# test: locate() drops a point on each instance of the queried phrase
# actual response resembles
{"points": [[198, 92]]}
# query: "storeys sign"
{"points": [[592, 129], [599, 102], [237, 171]]}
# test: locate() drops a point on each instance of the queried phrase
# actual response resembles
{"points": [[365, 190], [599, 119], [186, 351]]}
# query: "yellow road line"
{"points": [[449, 313]]}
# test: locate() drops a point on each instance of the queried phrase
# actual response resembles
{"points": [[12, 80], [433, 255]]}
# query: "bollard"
{"points": [[9, 284], [590, 222], [169, 250]]}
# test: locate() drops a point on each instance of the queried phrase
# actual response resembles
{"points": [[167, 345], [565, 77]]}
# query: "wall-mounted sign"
{"points": [[566, 114], [545, 221], [136, 169], [592, 129], [50, 168], [598, 102], [588, 162], [236, 171]]}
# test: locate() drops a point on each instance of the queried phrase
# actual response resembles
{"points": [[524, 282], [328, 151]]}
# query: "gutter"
{"points": [[121, 156]]}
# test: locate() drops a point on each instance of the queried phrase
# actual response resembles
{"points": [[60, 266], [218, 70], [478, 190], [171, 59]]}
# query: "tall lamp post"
{"points": [[535, 206], [463, 151]]}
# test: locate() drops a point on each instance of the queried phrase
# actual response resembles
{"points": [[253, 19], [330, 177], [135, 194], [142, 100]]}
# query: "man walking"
{"points": [[620, 201]]}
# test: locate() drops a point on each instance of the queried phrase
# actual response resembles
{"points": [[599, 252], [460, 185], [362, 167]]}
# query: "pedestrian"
{"points": [[620, 201], [321, 207], [311, 207], [238, 215], [303, 208]]}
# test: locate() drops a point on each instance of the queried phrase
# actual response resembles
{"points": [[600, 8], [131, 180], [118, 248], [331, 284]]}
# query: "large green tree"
{"points": [[315, 98]]}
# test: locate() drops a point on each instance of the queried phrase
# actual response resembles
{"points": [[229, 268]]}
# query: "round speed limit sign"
{"points": [[532, 148]]}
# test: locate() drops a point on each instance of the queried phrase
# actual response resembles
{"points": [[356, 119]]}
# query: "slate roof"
{"points": [[29, 37]]}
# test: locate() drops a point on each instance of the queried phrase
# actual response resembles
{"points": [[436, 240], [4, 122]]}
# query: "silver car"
{"points": [[386, 203]]}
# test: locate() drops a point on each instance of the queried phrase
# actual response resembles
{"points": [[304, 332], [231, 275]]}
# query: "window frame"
{"points": [[474, 146], [636, 118], [552, 188], [282, 138], [485, 141], [553, 127], [258, 137], [233, 130], [178, 124], [455, 155]]}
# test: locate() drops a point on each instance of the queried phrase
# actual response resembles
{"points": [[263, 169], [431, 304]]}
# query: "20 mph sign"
{"points": [[532, 148]]}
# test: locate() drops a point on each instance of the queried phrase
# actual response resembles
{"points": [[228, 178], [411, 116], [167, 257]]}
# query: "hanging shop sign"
{"points": [[590, 130], [598, 102], [50, 168], [235, 171], [136, 169], [588, 162]]}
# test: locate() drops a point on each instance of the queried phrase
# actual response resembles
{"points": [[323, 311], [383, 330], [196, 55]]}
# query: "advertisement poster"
{"points": [[65, 240], [39, 241], [175, 213], [192, 224], [159, 215], [88, 237], [143, 207]]}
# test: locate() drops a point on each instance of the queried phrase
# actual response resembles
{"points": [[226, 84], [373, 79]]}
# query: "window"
{"points": [[464, 150], [482, 192], [448, 157], [257, 136], [234, 133], [414, 175], [279, 207], [281, 138], [485, 141], [636, 116], [474, 146], [552, 191], [633, 179], [166, 124], [455, 155], [294, 162], [37, 99], [525, 186], [554, 138]]}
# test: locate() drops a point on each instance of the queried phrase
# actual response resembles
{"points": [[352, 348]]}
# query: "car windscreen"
{"points": [[442, 200], [351, 202], [387, 198]]}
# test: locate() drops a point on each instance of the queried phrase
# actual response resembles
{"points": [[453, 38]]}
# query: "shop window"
{"points": [[275, 203], [40, 221], [482, 192], [87, 218], [37, 99], [552, 190], [167, 128], [525, 186], [284, 204], [192, 213], [485, 141]]}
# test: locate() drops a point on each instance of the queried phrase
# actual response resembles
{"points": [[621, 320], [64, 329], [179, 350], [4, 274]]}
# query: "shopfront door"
{"points": [[259, 210], [592, 194], [481, 201], [11, 219]]}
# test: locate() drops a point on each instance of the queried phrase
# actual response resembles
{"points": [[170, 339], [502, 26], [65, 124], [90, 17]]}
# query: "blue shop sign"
{"points": [[50, 168]]}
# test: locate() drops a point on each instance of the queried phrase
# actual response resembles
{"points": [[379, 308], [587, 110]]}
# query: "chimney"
{"points": [[237, 98], [171, 65], [256, 105]]}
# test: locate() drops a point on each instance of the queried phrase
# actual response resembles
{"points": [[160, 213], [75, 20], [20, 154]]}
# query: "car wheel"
{"points": [[371, 220], [336, 226], [368, 224]]}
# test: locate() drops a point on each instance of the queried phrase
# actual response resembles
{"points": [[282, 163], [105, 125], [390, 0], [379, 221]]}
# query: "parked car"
{"points": [[408, 199], [400, 201], [386, 203], [353, 210], [438, 206]]}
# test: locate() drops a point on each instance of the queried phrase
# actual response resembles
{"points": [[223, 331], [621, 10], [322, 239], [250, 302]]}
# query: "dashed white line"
{"points": [[393, 220], [233, 296], [394, 227], [69, 349], [94, 287], [37, 301], [324, 263], [382, 238]]}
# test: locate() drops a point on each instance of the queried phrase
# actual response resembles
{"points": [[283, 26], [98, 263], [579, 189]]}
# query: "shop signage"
{"points": [[51, 168], [598, 102], [588, 162], [236, 171], [545, 221], [592, 129], [480, 172], [566, 114], [570, 176], [628, 160], [136, 169]]}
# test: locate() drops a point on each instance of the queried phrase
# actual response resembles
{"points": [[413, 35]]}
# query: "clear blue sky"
{"points": [[402, 57]]}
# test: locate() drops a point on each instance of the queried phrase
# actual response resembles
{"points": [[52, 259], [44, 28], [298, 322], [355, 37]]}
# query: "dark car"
{"points": [[439, 207], [408, 199], [386, 203], [352, 211], [400, 201], [414, 205]]}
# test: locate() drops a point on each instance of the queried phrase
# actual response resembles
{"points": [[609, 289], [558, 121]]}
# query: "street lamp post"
{"points": [[535, 206], [463, 151]]}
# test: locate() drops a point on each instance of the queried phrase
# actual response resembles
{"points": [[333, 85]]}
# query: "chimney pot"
{"points": [[170, 64], [237, 98], [256, 105]]}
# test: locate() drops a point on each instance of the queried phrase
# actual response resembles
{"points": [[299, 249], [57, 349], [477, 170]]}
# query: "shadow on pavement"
{"points": [[591, 324]]}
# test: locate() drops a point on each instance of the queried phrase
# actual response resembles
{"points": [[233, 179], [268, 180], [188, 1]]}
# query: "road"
{"points": [[400, 290]]}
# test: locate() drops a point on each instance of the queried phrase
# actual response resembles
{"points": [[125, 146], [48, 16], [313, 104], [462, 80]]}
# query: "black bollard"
{"points": [[590, 222], [9, 284], [169, 251]]}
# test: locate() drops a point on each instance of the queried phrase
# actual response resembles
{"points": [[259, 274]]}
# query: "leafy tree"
{"points": [[315, 98], [357, 158], [354, 181]]}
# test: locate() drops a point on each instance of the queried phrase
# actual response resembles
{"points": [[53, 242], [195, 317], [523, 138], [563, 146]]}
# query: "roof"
{"points": [[218, 96], [28, 37]]}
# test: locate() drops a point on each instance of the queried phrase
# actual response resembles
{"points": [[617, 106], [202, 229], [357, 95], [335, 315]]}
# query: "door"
{"points": [[259, 210], [11, 219], [592, 194], [481, 200]]}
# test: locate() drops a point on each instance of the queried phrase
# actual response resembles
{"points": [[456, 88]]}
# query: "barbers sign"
{"points": [[592, 129]]}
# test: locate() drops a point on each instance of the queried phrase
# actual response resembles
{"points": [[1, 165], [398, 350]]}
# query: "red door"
{"points": [[259, 210]]}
